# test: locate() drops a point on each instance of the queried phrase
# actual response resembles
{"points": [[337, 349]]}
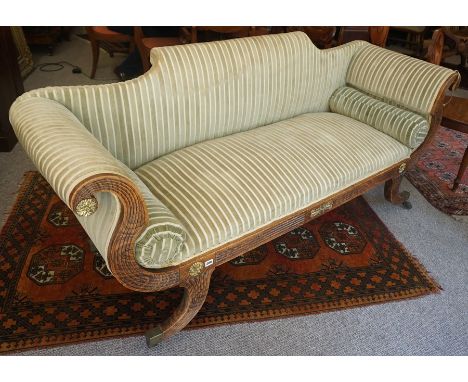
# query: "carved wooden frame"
{"points": [[194, 274]]}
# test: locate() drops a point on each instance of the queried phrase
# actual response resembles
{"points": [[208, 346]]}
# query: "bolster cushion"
{"points": [[405, 126], [160, 245], [162, 242]]}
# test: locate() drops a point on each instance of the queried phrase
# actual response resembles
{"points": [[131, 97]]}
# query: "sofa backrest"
{"points": [[197, 92]]}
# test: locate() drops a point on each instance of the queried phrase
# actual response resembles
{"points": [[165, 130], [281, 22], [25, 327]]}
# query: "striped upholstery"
{"points": [[223, 188], [397, 79], [225, 102], [405, 126], [66, 154], [197, 92]]}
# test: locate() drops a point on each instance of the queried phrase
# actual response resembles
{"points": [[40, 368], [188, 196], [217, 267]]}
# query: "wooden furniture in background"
{"points": [[460, 37], [322, 37], [48, 36], [376, 35], [348, 34], [211, 33], [101, 35], [260, 31], [455, 117], [190, 35], [25, 60], [11, 86], [145, 44], [414, 37], [455, 114], [435, 50]]}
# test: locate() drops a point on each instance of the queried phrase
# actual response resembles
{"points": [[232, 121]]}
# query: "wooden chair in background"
{"points": [[191, 35], [414, 38], [102, 35], [145, 44], [459, 38], [378, 35], [435, 50], [455, 115]]}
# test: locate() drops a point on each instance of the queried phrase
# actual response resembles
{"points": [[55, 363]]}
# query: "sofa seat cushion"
{"points": [[223, 188], [405, 126]]}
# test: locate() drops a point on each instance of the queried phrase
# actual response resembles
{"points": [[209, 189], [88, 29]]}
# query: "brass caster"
{"points": [[154, 336]]}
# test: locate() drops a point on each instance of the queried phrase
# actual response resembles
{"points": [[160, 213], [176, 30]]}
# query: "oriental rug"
{"points": [[436, 170], [55, 287]]}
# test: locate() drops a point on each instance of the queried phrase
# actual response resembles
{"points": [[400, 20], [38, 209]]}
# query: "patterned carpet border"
{"points": [[436, 169], [450, 204]]}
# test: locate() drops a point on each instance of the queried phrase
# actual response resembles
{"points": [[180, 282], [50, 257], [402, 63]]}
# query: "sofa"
{"points": [[223, 146]]}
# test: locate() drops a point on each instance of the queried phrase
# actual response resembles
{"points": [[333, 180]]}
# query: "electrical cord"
{"points": [[57, 66]]}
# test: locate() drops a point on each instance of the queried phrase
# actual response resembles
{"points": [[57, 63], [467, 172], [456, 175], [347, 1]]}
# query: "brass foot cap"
{"points": [[154, 336]]}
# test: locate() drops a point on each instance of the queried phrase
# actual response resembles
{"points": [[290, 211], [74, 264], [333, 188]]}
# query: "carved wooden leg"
{"points": [[393, 194], [196, 289]]}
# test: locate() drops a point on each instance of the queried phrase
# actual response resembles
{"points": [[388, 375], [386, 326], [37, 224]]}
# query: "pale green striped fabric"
{"points": [[223, 188], [197, 100], [397, 79], [193, 93], [197, 92], [66, 154], [405, 126]]}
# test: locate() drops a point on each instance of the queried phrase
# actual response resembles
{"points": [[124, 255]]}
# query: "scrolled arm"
{"points": [[101, 190], [398, 79], [63, 150]]}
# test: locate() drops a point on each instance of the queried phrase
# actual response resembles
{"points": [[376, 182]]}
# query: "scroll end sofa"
{"points": [[223, 146]]}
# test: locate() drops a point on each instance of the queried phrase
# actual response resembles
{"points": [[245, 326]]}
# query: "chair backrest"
{"points": [[197, 92], [378, 35], [435, 49]]}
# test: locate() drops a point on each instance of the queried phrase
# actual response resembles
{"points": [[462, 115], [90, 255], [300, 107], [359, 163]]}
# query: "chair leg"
{"points": [[95, 50], [393, 194], [461, 170], [195, 291]]}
